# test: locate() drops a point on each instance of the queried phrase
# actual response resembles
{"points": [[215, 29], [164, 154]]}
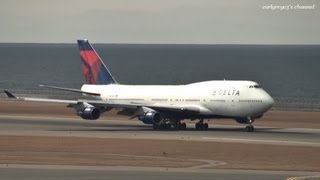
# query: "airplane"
{"points": [[162, 106]]}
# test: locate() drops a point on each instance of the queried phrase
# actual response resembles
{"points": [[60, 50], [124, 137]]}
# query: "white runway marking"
{"points": [[304, 178], [262, 141]]}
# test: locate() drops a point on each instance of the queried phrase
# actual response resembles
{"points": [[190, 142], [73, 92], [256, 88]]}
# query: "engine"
{"points": [[246, 120], [151, 117], [242, 120], [89, 113]]}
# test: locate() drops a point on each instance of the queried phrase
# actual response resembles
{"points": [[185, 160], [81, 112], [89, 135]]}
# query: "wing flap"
{"points": [[101, 103], [63, 101], [135, 105]]}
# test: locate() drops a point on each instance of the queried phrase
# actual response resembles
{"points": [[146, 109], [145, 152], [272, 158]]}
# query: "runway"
{"points": [[55, 144], [62, 172], [132, 129]]}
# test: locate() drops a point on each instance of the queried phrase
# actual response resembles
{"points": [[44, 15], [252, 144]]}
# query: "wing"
{"points": [[136, 105], [11, 96], [104, 104], [70, 90]]}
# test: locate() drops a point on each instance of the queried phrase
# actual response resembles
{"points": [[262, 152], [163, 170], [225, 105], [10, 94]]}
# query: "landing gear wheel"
{"points": [[205, 126], [161, 126], [183, 126], [179, 126], [198, 126], [155, 126], [250, 128], [202, 126]]}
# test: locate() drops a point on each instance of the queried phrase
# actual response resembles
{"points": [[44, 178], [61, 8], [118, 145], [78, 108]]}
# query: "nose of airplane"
{"points": [[268, 101]]}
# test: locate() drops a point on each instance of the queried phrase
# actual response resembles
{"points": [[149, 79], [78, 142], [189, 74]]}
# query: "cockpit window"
{"points": [[254, 86]]}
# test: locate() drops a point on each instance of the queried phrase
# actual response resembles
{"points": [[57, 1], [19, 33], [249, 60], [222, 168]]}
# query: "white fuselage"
{"points": [[222, 98]]}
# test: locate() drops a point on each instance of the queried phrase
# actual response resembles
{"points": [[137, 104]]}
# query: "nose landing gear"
{"points": [[250, 127]]}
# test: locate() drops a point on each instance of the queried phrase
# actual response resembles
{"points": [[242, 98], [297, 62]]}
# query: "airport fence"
{"points": [[281, 103], [296, 104]]}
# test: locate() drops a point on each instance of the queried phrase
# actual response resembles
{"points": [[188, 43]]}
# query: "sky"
{"points": [[161, 21]]}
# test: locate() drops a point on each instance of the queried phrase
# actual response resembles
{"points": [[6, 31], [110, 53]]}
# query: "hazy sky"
{"points": [[160, 21]]}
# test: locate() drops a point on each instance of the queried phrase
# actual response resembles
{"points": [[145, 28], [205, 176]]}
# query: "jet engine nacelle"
{"points": [[243, 120], [151, 117], [90, 113], [247, 120]]}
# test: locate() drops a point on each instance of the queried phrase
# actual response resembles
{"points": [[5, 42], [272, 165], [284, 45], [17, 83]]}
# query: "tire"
{"points": [[197, 126], [183, 126], [205, 126], [155, 127], [250, 128]]}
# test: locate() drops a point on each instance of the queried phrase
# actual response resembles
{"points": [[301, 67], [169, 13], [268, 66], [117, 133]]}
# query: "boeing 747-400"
{"points": [[162, 106]]}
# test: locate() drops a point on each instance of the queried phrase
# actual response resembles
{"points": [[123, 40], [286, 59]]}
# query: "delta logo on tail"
{"points": [[95, 72]]}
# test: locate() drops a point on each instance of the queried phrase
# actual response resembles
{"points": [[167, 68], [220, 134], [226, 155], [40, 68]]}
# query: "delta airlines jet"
{"points": [[163, 107]]}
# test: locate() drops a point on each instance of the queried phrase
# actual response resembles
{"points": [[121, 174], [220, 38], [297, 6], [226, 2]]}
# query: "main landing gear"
{"points": [[161, 126], [168, 126], [201, 126], [180, 126]]}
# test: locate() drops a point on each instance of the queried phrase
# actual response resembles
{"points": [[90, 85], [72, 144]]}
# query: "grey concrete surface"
{"points": [[18, 125], [34, 172], [71, 127]]}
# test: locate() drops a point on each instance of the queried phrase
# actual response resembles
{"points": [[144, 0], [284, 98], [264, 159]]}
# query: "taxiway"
{"points": [[56, 144]]}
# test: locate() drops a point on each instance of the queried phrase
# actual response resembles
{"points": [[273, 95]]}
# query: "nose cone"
{"points": [[268, 101]]}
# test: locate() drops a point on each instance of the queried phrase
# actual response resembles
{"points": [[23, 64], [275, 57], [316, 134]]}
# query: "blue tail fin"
{"points": [[94, 70]]}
